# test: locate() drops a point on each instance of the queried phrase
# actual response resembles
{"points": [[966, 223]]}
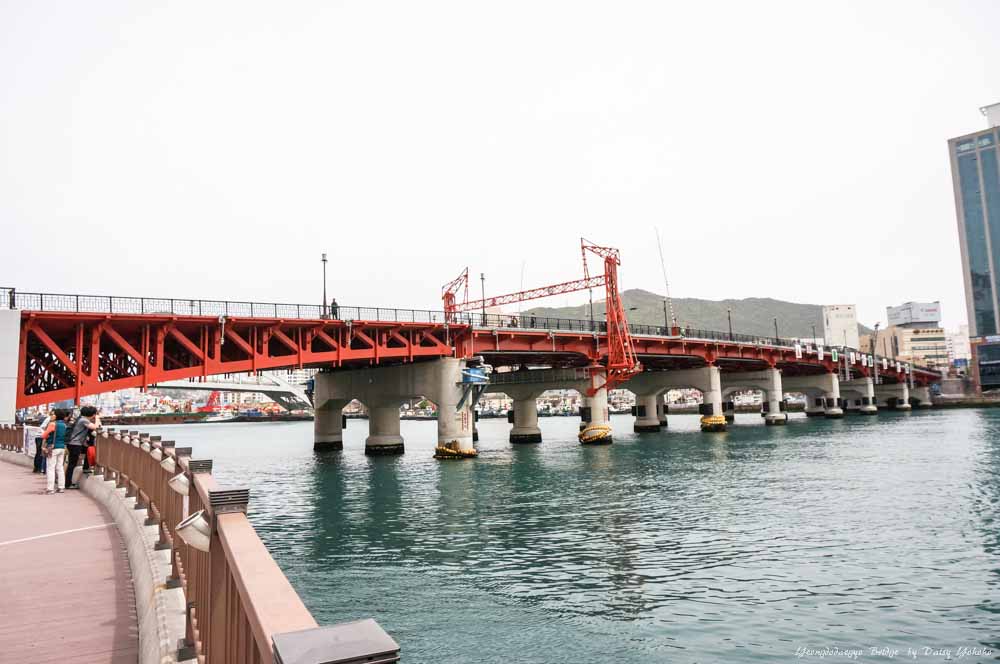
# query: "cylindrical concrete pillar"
{"points": [[662, 409], [712, 418], [455, 428], [598, 430], [328, 427], [815, 405], [383, 430], [525, 429], [647, 419], [920, 397]]}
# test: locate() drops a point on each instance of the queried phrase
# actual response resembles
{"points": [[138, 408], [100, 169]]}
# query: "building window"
{"points": [[965, 146], [986, 140], [975, 240], [991, 189]]}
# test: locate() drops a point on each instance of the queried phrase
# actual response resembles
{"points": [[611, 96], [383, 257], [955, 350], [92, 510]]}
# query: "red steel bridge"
{"points": [[71, 346]]}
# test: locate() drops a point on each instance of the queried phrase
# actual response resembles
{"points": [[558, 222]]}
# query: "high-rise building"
{"points": [[975, 170], [840, 325]]}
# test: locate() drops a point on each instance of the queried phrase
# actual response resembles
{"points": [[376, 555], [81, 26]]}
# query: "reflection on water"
{"points": [[677, 546]]}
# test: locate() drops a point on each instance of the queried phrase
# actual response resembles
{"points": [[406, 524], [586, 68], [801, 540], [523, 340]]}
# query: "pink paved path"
{"points": [[66, 596]]}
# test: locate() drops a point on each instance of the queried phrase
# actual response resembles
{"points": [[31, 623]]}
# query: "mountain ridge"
{"points": [[752, 315]]}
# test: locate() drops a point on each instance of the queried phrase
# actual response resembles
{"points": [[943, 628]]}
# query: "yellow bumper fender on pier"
{"points": [[452, 451], [713, 423], [595, 434]]}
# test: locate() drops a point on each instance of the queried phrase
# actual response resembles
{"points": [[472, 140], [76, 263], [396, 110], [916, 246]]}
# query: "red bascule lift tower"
{"points": [[622, 362]]}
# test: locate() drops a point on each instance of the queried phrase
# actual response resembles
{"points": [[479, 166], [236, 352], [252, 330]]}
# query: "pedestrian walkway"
{"points": [[65, 585]]}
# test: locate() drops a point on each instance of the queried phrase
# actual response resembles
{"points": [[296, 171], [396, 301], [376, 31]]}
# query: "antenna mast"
{"points": [[666, 284]]}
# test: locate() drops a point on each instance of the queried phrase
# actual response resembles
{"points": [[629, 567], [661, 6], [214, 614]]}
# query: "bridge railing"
{"points": [[111, 304], [12, 438], [238, 599]]}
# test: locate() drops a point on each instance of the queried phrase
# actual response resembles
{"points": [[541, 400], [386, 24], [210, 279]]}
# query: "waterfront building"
{"points": [[914, 336], [976, 183], [840, 325], [957, 345]]}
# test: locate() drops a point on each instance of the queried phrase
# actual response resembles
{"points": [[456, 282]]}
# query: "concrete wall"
{"points": [[10, 336]]}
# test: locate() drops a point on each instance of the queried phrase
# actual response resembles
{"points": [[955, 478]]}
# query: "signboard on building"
{"points": [[798, 351], [914, 312], [819, 353]]}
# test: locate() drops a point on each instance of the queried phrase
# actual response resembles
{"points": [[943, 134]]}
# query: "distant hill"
{"points": [[753, 315]]}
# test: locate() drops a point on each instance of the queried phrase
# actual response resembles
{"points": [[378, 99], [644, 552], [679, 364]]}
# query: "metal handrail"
{"points": [[238, 598]]}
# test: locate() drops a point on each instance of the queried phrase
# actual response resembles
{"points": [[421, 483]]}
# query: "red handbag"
{"points": [[92, 455]]}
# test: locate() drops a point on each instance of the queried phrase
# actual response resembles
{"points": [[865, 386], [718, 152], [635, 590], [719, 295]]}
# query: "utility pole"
{"points": [[729, 315], [482, 283], [325, 313]]}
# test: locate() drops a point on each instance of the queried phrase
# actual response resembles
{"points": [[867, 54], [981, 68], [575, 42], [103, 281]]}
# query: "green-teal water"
{"points": [[745, 546]]}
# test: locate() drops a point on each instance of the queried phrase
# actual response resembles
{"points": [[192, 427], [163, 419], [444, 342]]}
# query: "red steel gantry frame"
{"points": [[622, 361]]}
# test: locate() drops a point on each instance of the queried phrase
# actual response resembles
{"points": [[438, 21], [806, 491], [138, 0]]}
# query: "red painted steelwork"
{"points": [[70, 355]]}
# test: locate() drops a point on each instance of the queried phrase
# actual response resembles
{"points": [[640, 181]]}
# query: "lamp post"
{"points": [[666, 322], [776, 335], [874, 357], [729, 315], [482, 283], [814, 333], [325, 314]]}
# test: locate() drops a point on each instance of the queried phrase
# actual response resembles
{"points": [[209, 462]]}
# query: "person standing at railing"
{"points": [[334, 309], [40, 459], [88, 421], [54, 436]]}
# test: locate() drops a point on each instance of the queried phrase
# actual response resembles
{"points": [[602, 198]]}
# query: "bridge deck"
{"points": [[67, 589]]}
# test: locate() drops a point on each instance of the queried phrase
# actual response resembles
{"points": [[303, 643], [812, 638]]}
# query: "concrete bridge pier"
{"points": [[775, 399], [328, 426], [728, 410], [707, 380], [597, 405], [822, 393], [647, 413], [662, 409], [767, 381], [920, 397], [383, 429], [860, 393], [384, 388], [815, 406], [525, 429], [893, 396]]}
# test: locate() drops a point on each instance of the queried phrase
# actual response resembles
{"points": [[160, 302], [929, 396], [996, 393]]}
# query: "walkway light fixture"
{"points": [[180, 484], [157, 453], [196, 531], [325, 314], [168, 464]]}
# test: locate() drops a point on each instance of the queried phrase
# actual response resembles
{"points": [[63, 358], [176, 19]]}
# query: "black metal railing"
{"points": [[110, 304]]}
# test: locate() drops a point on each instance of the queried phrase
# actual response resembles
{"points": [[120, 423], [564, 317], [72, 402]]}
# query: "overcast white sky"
{"points": [[795, 149]]}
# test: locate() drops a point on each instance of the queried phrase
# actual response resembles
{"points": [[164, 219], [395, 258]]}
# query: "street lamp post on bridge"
{"points": [[325, 313]]}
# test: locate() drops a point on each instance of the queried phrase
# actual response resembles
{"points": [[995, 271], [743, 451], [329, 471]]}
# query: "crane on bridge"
{"points": [[622, 361]]}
